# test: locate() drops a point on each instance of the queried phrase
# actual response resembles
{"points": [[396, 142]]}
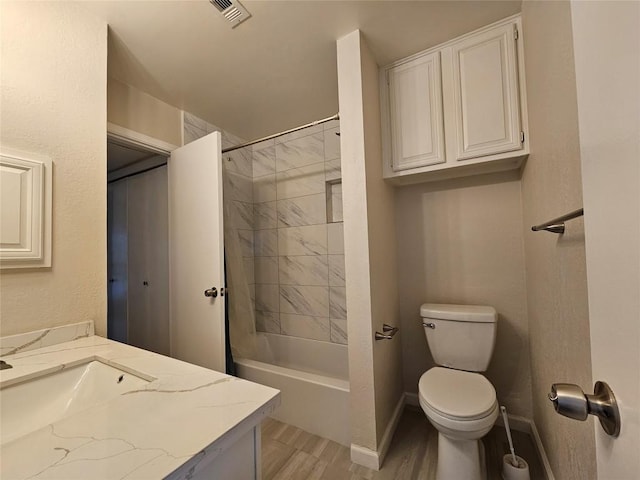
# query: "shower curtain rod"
{"points": [[275, 135]]}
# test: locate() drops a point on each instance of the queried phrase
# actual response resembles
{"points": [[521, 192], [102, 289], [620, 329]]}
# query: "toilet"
{"points": [[458, 401]]}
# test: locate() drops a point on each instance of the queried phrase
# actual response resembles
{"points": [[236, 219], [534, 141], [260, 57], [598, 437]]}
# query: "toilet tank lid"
{"points": [[461, 313]]}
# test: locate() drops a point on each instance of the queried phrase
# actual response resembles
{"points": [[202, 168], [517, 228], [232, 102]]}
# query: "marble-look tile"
{"points": [[300, 133], [263, 144], [299, 182], [330, 125], [333, 169], [241, 215], [336, 271], [304, 300], [239, 161], [267, 298], [335, 201], [316, 328], [266, 270], [245, 238], [192, 133], [264, 161], [309, 210], [25, 342], [264, 189], [331, 144], [308, 240], [268, 322], [300, 152], [339, 331], [337, 303], [237, 187], [304, 270], [230, 140], [265, 243], [193, 121], [264, 215], [249, 270], [336, 238]]}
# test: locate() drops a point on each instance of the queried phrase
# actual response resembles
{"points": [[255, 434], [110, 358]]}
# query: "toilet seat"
{"points": [[457, 395]]}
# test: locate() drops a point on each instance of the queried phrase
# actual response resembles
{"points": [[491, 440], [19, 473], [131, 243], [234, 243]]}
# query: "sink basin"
{"points": [[30, 405]]}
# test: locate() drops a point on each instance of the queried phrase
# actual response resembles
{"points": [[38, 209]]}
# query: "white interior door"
{"points": [[606, 37], [196, 253]]}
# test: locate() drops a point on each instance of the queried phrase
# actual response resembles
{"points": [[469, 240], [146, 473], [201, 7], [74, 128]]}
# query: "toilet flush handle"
{"points": [[429, 325]]}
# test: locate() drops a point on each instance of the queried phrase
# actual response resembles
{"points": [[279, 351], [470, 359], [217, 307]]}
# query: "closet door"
{"points": [[148, 325], [487, 106], [117, 264]]}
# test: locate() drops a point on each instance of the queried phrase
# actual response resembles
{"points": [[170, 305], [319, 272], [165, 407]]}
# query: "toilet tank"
{"points": [[460, 336]]}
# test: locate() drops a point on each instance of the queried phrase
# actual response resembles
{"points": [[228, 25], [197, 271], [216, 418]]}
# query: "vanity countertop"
{"points": [[162, 430]]}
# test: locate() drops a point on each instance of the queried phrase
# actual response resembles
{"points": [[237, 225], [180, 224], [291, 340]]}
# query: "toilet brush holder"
{"points": [[511, 471]]}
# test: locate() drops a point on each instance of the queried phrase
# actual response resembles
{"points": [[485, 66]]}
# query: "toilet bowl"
{"points": [[462, 406], [457, 400]]}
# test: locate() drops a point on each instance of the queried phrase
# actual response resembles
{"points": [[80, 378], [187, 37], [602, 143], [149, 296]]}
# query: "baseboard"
{"points": [[365, 457], [391, 428], [373, 459], [543, 455], [411, 399]]}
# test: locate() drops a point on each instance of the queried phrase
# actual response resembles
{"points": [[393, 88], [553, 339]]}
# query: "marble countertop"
{"points": [[163, 430]]}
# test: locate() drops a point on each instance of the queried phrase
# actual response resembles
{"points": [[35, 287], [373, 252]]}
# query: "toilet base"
{"points": [[458, 459]]}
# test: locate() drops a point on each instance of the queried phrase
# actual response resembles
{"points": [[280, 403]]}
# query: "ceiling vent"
{"points": [[233, 11]]}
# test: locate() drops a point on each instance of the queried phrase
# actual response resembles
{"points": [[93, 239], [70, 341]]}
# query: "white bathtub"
{"points": [[313, 377]]}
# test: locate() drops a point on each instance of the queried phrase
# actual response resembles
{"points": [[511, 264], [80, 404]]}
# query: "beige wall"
{"points": [[460, 241], [387, 356], [138, 111], [556, 278], [374, 368], [53, 100]]}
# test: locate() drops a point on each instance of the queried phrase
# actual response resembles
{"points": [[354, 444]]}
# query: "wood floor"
{"points": [[289, 453]]}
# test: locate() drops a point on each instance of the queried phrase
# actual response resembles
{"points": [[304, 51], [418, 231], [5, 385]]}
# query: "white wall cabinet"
{"points": [[456, 109], [415, 108]]}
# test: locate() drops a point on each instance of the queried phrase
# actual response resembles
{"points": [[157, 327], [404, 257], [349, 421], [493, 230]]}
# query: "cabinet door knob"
{"points": [[211, 292]]}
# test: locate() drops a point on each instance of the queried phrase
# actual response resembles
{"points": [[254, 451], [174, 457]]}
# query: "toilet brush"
{"points": [[513, 466], [514, 461]]}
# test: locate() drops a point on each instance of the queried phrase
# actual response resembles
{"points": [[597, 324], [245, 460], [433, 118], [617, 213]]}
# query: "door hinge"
{"points": [[521, 137], [516, 35]]}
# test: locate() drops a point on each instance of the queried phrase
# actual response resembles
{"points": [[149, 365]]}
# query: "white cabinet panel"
{"points": [[25, 211], [415, 107], [485, 72]]}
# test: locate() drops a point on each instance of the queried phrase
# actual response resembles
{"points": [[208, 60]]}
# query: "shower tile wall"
{"points": [[238, 187], [299, 253]]}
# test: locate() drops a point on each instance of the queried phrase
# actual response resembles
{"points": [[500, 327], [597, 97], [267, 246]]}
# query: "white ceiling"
{"points": [[277, 70]]}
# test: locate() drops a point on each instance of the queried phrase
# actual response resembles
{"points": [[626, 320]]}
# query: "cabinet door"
{"points": [[485, 75], [415, 107]]}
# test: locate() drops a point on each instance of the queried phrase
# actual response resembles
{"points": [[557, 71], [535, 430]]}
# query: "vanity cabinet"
{"points": [[456, 109]]}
